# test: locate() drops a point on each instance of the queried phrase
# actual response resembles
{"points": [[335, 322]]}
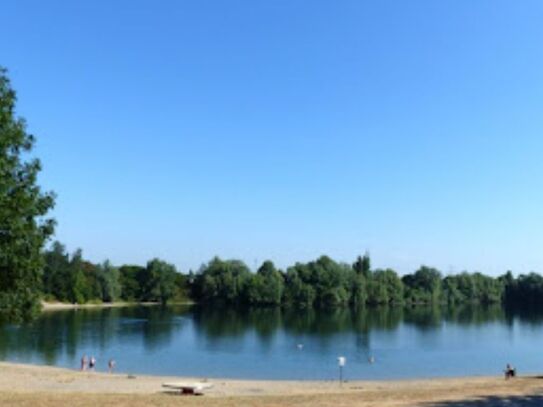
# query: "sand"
{"points": [[29, 385], [57, 306]]}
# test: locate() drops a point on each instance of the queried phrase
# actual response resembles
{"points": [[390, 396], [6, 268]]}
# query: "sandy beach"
{"points": [[57, 306], [29, 385]]}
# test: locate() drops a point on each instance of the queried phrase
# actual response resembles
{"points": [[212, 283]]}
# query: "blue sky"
{"points": [[288, 129]]}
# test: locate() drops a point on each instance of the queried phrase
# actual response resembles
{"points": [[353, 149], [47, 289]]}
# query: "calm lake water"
{"points": [[285, 344]]}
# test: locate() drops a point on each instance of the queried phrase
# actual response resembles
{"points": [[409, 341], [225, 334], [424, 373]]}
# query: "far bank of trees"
{"points": [[326, 283], [70, 278], [319, 283]]}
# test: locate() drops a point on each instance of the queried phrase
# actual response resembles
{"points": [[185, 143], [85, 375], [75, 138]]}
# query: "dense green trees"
{"points": [[322, 282], [362, 266], [360, 279], [424, 286], [266, 287], [326, 283], [158, 281], [222, 280], [527, 289], [72, 279], [56, 274], [24, 227], [474, 287], [319, 283], [108, 276], [385, 287], [132, 280]]}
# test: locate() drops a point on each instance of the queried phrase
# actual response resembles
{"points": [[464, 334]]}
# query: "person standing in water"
{"points": [[111, 365], [92, 363], [84, 362]]}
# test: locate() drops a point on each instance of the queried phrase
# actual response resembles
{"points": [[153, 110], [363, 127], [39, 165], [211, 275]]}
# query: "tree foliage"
{"points": [[424, 286], [24, 227], [158, 281], [72, 279], [108, 276], [266, 286], [319, 283], [222, 280]]}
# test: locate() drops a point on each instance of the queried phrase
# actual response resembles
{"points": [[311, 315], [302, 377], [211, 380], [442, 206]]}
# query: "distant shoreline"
{"points": [[56, 306], [22, 384]]}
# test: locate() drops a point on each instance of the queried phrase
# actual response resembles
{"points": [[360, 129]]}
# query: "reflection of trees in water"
{"points": [[474, 314], [154, 325], [385, 318], [71, 332], [160, 326], [423, 317], [429, 317], [530, 315], [221, 321], [368, 319], [48, 336], [266, 321], [218, 323], [328, 322]]}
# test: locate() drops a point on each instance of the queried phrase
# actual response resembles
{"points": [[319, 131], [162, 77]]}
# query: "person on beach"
{"points": [[84, 362], [509, 371], [111, 365], [92, 363]]}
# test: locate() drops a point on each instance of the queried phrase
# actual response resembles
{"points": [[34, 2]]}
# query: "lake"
{"points": [[278, 343]]}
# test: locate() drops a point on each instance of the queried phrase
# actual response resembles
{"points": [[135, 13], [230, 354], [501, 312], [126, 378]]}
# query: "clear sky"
{"points": [[287, 129]]}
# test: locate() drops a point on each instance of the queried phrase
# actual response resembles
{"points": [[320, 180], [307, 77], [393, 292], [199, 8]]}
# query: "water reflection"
{"points": [[60, 337], [58, 333]]}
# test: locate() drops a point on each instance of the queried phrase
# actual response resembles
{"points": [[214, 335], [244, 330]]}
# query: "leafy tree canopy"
{"points": [[24, 227]]}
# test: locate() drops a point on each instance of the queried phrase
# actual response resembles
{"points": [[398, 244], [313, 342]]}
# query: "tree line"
{"points": [[327, 283], [70, 278], [319, 283]]}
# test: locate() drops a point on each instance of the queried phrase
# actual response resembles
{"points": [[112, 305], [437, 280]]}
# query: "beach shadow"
{"points": [[177, 393], [531, 400]]}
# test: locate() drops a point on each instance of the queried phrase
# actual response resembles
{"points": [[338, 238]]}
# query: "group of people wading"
{"points": [[90, 364]]}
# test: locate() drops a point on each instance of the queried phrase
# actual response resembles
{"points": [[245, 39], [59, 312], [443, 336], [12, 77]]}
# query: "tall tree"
{"points": [[109, 280], [361, 280], [362, 266], [56, 281], [266, 286], [80, 290], [423, 286], [24, 227], [131, 279], [158, 280], [222, 280]]}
